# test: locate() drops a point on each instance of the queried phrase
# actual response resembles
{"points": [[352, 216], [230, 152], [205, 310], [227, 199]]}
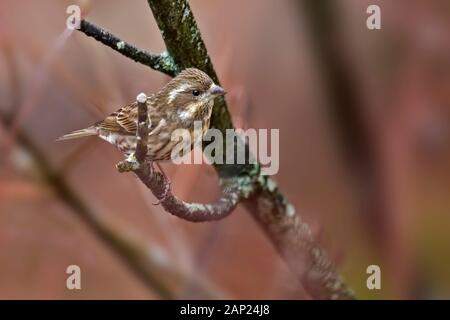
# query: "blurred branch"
{"points": [[354, 123], [339, 82], [160, 62], [194, 212], [379, 147], [13, 74], [159, 275], [266, 203]]}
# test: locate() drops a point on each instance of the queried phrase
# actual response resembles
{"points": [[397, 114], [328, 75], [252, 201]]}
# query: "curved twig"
{"points": [[159, 185], [292, 237], [161, 276], [194, 212]]}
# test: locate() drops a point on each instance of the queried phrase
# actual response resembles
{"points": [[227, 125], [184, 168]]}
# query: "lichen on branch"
{"points": [[160, 62], [260, 194]]}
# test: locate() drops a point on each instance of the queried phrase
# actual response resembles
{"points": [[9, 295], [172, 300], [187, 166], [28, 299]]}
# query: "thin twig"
{"points": [[142, 128], [159, 185], [269, 207], [267, 204], [160, 62], [159, 275], [194, 212]]}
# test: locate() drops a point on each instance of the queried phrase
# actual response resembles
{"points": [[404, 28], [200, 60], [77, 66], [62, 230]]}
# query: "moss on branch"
{"points": [[278, 218]]}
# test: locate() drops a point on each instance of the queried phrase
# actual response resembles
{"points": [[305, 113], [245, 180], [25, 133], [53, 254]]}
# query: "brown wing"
{"points": [[121, 121], [127, 118], [124, 120]]}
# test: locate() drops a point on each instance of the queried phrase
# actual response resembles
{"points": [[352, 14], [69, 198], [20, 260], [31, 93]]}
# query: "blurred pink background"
{"points": [[379, 195]]}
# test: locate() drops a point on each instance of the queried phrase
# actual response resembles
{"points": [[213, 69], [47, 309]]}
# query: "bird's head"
{"points": [[191, 90]]}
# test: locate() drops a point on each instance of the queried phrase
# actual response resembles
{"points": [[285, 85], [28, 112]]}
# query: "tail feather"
{"points": [[91, 131]]}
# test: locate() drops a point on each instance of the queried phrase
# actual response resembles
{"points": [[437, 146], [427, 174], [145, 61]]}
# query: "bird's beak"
{"points": [[216, 90]]}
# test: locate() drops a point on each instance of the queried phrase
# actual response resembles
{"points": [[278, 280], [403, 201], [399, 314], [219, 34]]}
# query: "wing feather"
{"points": [[123, 121]]}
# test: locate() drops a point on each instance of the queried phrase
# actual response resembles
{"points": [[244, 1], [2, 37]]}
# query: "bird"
{"points": [[186, 98]]}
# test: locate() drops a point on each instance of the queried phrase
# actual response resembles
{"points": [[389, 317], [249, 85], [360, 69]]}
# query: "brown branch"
{"points": [[194, 212], [142, 128], [266, 203], [159, 275], [160, 62], [160, 186], [293, 239]]}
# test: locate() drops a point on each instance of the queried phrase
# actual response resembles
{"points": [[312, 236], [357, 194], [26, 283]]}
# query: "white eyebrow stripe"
{"points": [[173, 94]]}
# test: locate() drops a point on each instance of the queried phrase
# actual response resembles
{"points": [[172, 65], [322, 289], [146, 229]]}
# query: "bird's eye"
{"points": [[195, 93]]}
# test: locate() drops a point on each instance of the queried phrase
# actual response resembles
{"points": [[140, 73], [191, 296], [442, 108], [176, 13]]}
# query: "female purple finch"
{"points": [[186, 98]]}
